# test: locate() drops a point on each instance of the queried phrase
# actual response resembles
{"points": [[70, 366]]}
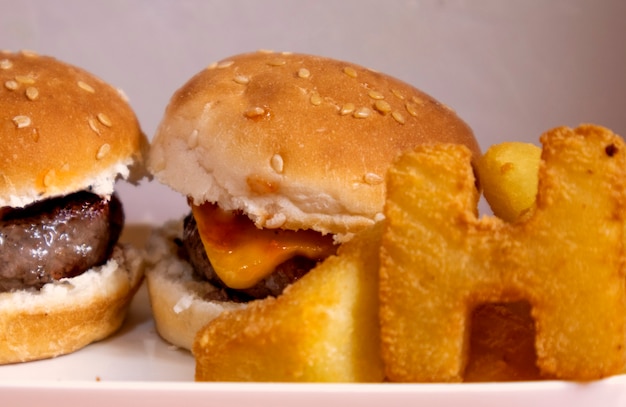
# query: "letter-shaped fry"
{"points": [[439, 261]]}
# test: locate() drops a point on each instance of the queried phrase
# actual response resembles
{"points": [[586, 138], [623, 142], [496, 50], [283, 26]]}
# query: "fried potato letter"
{"points": [[323, 328], [439, 262]]}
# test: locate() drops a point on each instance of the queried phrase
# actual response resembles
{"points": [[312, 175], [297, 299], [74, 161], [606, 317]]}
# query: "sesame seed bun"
{"points": [[62, 130], [295, 141]]}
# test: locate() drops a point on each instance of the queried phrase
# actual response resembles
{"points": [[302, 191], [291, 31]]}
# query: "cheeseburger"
{"points": [[66, 137], [282, 158]]}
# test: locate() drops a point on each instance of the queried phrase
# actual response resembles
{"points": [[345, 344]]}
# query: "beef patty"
{"points": [[273, 285], [56, 238]]}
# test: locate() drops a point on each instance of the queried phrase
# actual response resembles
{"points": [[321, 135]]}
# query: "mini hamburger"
{"points": [[282, 158], [66, 138]]}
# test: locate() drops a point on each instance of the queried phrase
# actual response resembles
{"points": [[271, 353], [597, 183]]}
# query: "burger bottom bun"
{"points": [[177, 297], [67, 315]]}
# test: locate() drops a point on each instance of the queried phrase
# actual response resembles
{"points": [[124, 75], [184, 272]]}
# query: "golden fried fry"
{"points": [[439, 261], [508, 175], [323, 328]]}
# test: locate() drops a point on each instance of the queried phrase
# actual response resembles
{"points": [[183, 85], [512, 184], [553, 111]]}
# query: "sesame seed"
{"points": [[122, 94], [255, 111], [32, 93], [315, 99], [351, 72], [277, 163], [412, 108], [277, 62], [446, 107], [29, 53], [103, 151], [26, 80], [362, 113], [192, 141], [418, 100], [277, 220], [11, 85], [93, 126], [375, 95], [347, 108], [225, 64], [286, 53], [265, 51], [382, 106], [372, 179], [6, 64], [86, 87], [397, 94], [48, 179], [104, 119], [304, 73], [213, 65], [21, 121], [398, 117], [241, 79]]}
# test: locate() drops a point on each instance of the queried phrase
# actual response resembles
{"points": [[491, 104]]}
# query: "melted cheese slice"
{"points": [[242, 254]]}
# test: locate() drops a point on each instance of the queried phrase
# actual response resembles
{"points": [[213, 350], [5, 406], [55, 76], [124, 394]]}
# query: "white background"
{"points": [[511, 68]]}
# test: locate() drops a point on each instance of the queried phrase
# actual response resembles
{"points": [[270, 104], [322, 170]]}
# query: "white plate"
{"points": [[135, 353], [136, 366], [168, 394]]}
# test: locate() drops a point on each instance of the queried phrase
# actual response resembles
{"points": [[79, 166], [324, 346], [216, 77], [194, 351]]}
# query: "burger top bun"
{"points": [[295, 141], [61, 130]]}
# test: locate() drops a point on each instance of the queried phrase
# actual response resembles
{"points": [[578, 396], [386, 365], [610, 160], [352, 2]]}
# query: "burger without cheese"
{"points": [[282, 157], [66, 137]]}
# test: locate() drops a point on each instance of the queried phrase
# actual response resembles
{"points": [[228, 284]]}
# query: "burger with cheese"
{"points": [[66, 138], [282, 158]]}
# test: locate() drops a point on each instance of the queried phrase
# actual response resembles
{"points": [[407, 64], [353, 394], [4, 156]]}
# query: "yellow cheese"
{"points": [[242, 254]]}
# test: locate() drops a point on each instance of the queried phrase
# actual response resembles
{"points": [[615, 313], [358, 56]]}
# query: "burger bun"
{"points": [[295, 141]]}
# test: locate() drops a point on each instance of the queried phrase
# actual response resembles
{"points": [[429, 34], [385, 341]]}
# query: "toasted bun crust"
{"points": [[69, 314], [61, 130], [295, 141], [176, 296]]}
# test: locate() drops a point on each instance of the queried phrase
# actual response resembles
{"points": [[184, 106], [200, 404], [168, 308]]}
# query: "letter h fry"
{"points": [[566, 259]]}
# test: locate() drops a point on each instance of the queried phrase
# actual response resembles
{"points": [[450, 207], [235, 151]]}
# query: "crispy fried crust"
{"points": [[566, 259]]}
